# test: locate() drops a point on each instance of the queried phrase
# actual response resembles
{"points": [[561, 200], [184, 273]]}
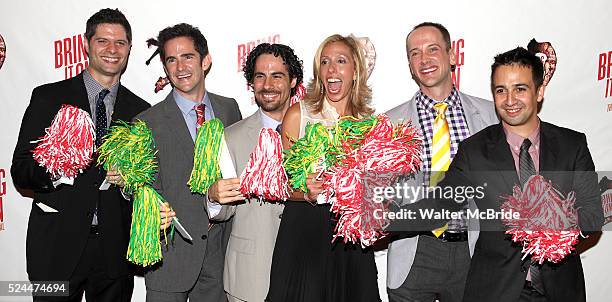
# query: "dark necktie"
{"points": [[526, 170], [101, 125], [526, 166], [279, 128], [101, 121]]}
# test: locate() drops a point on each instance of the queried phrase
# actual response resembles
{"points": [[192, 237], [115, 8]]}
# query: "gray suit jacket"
{"points": [[183, 259], [255, 224], [479, 113]]}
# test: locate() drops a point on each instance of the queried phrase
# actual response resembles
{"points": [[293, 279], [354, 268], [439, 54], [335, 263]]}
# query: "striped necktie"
{"points": [[440, 159], [199, 109]]}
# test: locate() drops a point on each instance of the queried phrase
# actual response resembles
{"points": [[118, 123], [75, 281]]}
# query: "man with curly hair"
{"points": [[274, 72]]}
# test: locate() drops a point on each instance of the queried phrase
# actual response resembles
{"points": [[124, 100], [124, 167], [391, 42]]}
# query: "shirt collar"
{"points": [[267, 121], [93, 87], [515, 141], [453, 100], [186, 105]]}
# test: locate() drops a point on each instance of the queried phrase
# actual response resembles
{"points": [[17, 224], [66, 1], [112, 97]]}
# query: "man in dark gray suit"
{"points": [[423, 267], [190, 268], [274, 72]]}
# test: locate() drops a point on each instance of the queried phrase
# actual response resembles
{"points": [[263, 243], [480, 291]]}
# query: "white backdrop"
{"points": [[575, 98]]}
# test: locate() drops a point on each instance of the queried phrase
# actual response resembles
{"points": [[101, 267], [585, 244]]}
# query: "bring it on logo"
{"points": [[603, 73], [2, 194], [70, 55], [457, 46], [244, 49]]}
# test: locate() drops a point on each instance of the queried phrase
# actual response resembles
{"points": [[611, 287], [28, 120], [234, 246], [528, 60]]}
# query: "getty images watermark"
{"points": [[406, 193]]}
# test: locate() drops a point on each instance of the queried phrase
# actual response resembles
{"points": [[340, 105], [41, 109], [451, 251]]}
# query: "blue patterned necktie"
{"points": [[101, 120]]}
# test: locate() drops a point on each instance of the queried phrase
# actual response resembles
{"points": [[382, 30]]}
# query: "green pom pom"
{"points": [[129, 149], [313, 150], [351, 131], [206, 156], [145, 248]]}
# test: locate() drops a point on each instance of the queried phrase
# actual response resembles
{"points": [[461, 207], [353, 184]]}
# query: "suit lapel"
{"points": [[472, 114], [549, 146], [218, 109], [79, 94], [499, 153], [120, 110], [175, 119], [254, 126]]}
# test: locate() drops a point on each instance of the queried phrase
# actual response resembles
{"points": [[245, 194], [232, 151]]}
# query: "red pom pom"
{"points": [[548, 223], [300, 92], [264, 175], [68, 144], [386, 153]]}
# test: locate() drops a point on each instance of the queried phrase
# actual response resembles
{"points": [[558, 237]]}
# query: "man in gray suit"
{"points": [[273, 72], [423, 267], [190, 268]]}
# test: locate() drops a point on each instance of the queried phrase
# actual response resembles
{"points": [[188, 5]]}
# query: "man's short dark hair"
{"points": [[438, 26], [293, 63], [520, 57], [109, 16], [183, 30]]}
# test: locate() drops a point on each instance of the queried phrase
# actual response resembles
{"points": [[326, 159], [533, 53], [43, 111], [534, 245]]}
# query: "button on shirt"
{"points": [[93, 89], [515, 141]]}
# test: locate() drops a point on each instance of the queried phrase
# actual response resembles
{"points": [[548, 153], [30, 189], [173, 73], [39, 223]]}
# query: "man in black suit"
{"points": [[78, 233], [495, 159]]}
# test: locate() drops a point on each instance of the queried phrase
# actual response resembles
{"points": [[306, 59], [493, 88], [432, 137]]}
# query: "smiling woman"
{"points": [[306, 265]]}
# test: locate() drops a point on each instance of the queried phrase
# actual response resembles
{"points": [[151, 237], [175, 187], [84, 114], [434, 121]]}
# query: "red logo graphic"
{"points": [[603, 73], [2, 193], [459, 61], [245, 48], [547, 55], [2, 51], [70, 55], [606, 200], [369, 53]]}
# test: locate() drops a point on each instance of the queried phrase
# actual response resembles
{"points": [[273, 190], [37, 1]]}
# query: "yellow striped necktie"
{"points": [[440, 159]]}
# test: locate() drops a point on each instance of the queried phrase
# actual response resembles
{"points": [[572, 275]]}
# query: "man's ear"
{"points": [[541, 93], [86, 44], [206, 62], [293, 82]]}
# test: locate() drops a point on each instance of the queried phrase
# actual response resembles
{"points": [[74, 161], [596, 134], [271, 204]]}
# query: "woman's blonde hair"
{"points": [[360, 95]]}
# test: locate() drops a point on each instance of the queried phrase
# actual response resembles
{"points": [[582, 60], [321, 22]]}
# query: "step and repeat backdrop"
{"points": [[42, 42]]}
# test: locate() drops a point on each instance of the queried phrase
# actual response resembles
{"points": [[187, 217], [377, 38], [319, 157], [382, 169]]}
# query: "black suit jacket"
{"points": [[55, 241], [497, 272]]}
